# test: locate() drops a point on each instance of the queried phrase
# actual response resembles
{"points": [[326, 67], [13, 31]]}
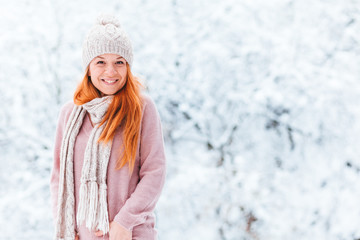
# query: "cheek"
{"points": [[123, 82], [124, 73], [125, 76], [93, 71]]}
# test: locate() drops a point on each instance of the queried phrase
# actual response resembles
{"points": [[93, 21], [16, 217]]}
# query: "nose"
{"points": [[110, 69]]}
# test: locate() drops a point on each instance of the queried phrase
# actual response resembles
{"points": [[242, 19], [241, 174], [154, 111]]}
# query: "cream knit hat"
{"points": [[106, 36]]}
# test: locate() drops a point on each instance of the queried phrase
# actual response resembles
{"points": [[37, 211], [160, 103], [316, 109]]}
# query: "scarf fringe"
{"points": [[93, 204], [89, 214], [82, 209], [103, 212]]}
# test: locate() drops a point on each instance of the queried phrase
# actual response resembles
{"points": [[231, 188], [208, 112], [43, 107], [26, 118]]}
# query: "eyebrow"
{"points": [[116, 58]]}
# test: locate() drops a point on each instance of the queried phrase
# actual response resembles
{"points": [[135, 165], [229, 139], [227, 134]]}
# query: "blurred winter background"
{"points": [[259, 102]]}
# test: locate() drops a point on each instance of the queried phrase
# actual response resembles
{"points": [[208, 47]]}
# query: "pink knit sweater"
{"points": [[131, 199]]}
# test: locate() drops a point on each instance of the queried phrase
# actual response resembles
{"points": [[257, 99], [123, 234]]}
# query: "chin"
{"points": [[109, 93]]}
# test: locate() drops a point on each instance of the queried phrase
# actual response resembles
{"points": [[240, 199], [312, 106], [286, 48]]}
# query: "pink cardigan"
{"points": [[131, 199]]}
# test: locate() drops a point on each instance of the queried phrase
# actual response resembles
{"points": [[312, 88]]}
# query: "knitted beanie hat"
{"points": [[106, 36]]}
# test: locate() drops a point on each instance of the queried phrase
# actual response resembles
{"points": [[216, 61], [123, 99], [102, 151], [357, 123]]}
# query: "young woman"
{"points": [[109, 161]]}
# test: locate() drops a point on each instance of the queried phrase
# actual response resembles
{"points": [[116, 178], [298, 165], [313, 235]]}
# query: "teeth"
{"points": [[109, 81]]}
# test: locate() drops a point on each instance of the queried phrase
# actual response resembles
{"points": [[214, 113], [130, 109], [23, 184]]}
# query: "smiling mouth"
{"points": [[110, 81]]}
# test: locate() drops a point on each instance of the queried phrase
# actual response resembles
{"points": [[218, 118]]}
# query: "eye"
{"points": [[120, 62], [100, 62]]}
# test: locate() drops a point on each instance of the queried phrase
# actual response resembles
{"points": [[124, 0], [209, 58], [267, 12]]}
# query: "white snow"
{"points": [[259, 102]]}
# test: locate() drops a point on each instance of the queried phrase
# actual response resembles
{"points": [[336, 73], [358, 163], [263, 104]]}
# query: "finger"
{"points": [[99, 233]]}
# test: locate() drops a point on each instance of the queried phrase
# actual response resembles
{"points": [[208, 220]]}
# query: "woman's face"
{"points": [[108, 73]]}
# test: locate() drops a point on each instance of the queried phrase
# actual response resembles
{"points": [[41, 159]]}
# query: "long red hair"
{"points": [[125, 110]]}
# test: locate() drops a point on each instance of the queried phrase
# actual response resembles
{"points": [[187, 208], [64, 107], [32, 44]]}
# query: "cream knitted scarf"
{"points": [[92, 208]]}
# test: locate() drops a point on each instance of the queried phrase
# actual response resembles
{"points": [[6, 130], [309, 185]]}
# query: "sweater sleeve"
{"points": [[152, 171], [54, 178]]}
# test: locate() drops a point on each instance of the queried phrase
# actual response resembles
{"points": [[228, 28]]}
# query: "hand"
{"points": [[117, 232]]}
